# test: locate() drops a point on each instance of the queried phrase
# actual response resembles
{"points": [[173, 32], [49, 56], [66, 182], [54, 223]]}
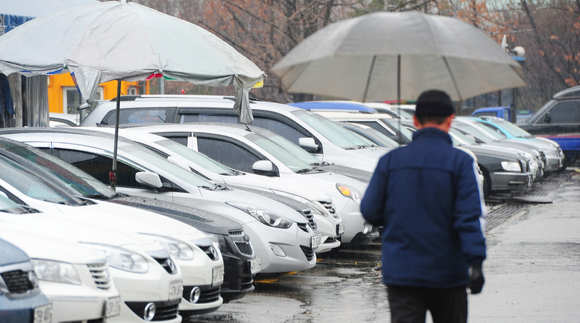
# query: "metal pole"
{"points": [[113, 174], [399, 93]]}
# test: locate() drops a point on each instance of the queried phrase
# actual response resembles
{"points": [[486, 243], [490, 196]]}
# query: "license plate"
{"points": [[255, 265], [113, 306], [315, 241], [340, 228], [43, 314], [175, 290], [217, 276]]}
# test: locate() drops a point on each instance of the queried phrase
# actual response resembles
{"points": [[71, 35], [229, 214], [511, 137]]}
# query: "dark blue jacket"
{"points": [[426, 197]]}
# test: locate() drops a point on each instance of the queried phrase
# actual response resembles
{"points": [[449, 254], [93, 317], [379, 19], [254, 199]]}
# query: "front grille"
{"points": [[245, 248], [308, 214], [208, 294], [329, 206], [308, 252], [100, 273], [237, 233], [303, 226], [208, 252], [17, 281], [164, 311], [167, 264]]}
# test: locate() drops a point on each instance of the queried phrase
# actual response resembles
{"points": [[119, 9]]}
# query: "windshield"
{"points": [[34, 186], [512, 129], [483, 136], [293, 149], [492, 130], [388, 142], [75, 178], [8, 206], [167, 166], [461, 137], [292, 161], [394, 125], [196, 157], [331, 131]]}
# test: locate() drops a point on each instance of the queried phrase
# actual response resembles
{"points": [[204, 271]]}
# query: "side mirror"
{"points": [[264, 167], [148, 179], [308, 144], [547, 118]]}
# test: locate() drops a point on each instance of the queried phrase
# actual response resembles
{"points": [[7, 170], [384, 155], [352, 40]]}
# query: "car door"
{"points": [[563, 117], [98, 164]]}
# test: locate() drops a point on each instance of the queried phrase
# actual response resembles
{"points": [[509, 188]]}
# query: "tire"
{"points": [[486, 182]]}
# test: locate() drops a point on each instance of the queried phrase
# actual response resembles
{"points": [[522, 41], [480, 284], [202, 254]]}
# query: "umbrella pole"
{"points": [[113, 173], [399, 92]]}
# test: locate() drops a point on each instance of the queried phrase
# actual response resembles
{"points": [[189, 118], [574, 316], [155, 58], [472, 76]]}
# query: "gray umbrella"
{"points": [[126, 41], [397, 56]]}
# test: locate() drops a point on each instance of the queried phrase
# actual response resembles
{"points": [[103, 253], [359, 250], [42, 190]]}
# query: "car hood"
{"points": [[492, 151], [358, 174], [200, 219], [44, 245], [75, 228], [258, 201], [11, 254]]}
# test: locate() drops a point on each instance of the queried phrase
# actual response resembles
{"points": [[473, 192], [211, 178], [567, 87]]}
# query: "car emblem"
{"points": [[171, 265], [214, 253]]}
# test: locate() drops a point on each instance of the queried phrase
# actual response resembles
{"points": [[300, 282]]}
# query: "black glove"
{"points": [[476, 279]]}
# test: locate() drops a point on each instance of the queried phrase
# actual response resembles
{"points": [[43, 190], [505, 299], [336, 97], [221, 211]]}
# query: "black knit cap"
{"points": [[435, 103]]}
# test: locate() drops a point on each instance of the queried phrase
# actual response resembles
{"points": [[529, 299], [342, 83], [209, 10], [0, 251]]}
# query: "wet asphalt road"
{"points": [[346, 286]]}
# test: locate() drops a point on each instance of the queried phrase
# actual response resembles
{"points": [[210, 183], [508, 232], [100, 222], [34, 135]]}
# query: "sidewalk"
{"points": [[533, 268]]}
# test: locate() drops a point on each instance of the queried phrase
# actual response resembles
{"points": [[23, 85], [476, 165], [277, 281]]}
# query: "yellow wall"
{"points": [[57, 82]]}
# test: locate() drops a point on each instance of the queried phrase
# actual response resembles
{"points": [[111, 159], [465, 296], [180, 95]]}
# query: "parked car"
{"points": [[193, 252], [240, 262], [550, 149], [314, 133], [392, 109], [20, 298], [278, 161], [75, 278], [482, 135], [63, 120], [313, 204], [281, 237], [142, 270], [370, 133]]}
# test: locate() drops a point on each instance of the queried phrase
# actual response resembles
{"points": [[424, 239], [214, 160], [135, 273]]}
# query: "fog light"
{"points": [[277, 250], [194, 295], [149, 312], [367, 227]]}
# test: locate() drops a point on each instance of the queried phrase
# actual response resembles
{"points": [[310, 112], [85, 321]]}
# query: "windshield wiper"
{"points": [[98, 196], [304, 170], [209, 188], [221, 187]]}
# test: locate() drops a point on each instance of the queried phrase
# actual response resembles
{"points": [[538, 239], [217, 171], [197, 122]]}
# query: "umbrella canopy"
{"points": [[373, 57], [126, 41]]}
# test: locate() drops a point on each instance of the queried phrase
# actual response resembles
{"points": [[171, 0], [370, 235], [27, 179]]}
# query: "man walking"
{"points": [[427, 198]]}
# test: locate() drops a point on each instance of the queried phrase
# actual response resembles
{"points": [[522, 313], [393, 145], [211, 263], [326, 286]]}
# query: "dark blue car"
{"points": [[20, 299]]}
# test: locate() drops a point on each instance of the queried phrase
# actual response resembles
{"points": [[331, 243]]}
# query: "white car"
{"points": [[199, 260], [143, 272], [327, 219], [74, 277], [281, 237], [316, 134], [279, 162]]}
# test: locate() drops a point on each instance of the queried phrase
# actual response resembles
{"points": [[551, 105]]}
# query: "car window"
{"points": [[196, 157], [227, 153], [182, 140], [513, 129], [333, 132], [563, 112], [297, 159], [99, 167], [144, 115], [208, 117], [34, 186], [280, 128]]}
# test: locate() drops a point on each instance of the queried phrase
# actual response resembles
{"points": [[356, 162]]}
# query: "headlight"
{"points": [[349, 192], [511, 166], [54, 271], [263, 216], [178, 249], [122, 259]]}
